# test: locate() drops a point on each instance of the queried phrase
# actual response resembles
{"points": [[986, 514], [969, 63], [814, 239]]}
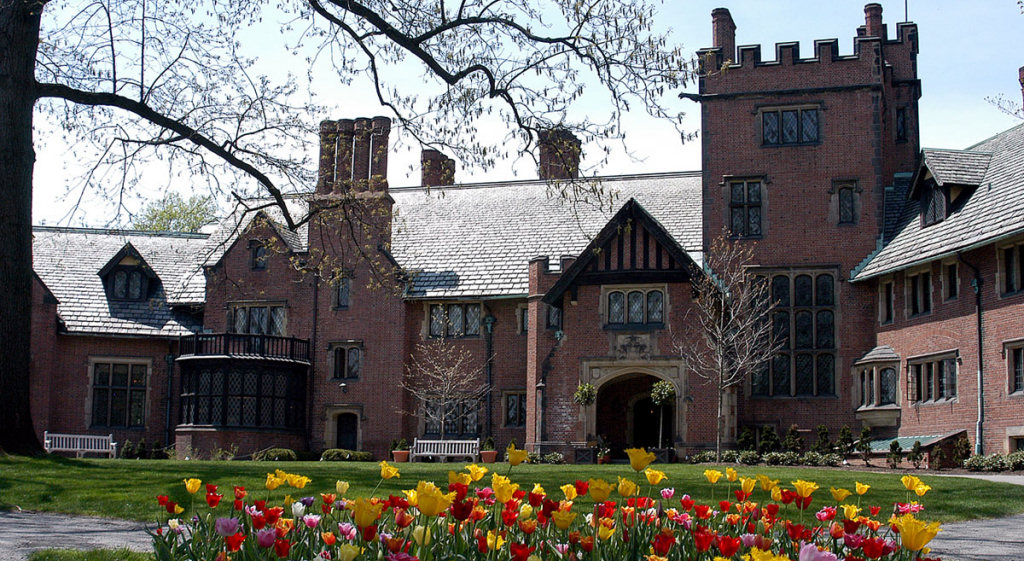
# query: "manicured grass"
{"points": [[92, 555], [128, 488]]}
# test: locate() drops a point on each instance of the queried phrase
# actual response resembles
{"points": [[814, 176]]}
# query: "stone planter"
{"points": [[400, 456]]}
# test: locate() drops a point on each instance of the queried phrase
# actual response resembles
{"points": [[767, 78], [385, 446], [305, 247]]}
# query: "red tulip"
{"points": [[281, 548], [162, 500], [240, 492], [663, 542], [520, 551], [687, 503], [873, 547], [587, 544], [582, 487], [234, 543], [703, 539], [728, 545]]}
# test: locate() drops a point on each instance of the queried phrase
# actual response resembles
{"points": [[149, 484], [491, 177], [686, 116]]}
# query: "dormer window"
{"points": [[127, 283], [934, 204]]}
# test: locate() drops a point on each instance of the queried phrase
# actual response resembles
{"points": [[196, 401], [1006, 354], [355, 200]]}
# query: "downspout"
{"points": [[169, 359], [976, 284], [489, 369], [312, 361]]}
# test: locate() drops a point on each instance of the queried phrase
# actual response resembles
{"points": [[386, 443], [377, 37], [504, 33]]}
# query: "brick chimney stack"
{"points": [[559, 154], [724, 31], [351, 152], [436, 169], [873, 21]]}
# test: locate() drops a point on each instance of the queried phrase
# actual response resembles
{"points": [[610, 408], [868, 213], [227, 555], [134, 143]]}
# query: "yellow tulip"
{"points": [[515, 457], [476, 473], [921, 489], [430, 499], [713, 475], [421, 535], [850, 511], [503, 488], [839, 494], [178, 509], [914, 533], [747, 484], [653, 557], [605, 532], [862, 488], [563, 519], [639, 458], [730, 474], [910, 482], [341, 487], [192, 485], [600, 490], [273, 482], [494, 540], [388, 471], [365, 511], [626, 487], [298, 481], [654, 476], [766, 483], [463, 478], [804, 488], [348, 552], [570, 491], [538, 490], [410, 496], [776, 493], [526, 512]]}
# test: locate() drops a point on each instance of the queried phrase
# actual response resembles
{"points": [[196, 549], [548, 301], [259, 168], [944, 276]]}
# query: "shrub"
{"points": [[554, 458], [916, 455], [276, 455], [938, 458], [730, 456], [749, 457], [895, 455], [824, 443], [396, 444], [844, 442], [703, 457], [793, 441], [141, 450], [864, 444], [813, 458], [961, 450], [746, 440], [991, 462], [128, 450], [769, 440], [343, 455], [1015, 460], [781, 458], [533, 457], [831, 460], [488, 444]]}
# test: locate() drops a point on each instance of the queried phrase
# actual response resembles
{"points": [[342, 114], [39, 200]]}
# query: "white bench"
{"points": [[444, 449], [80, 444]]}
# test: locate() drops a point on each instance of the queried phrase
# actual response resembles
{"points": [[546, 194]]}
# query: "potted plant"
{"points": [[604, 452], [663, 393], [585, 394], [488, 454], [400, 450]]}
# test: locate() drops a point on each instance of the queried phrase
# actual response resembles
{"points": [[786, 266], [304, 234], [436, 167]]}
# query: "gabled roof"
{"points": [[236, 223], [881, 353], [632, 215], [991, 213], [957, 167], [127, 251], [476, 241], [67, 261]]}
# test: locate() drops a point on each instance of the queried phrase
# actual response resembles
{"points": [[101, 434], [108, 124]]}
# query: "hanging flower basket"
{"points": [[585, 394]]}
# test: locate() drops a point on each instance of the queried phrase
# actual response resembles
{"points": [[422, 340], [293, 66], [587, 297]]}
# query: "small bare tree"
{"points": [[441, 377], [733, 312]]}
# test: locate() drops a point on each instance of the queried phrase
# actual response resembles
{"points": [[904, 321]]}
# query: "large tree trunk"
{"points": [[19, 37]]}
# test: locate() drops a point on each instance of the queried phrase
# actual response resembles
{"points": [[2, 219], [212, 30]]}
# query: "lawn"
{"points": [[128, 488]]}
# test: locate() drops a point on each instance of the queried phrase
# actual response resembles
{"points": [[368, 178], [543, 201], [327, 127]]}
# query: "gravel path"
{"points": [[21, 533]]}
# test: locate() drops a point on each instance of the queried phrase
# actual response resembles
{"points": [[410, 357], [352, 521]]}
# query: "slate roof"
{"points": [[227, 231], [959, 167], [992, 212], [477, 240], [879, 354], [68, 261]]}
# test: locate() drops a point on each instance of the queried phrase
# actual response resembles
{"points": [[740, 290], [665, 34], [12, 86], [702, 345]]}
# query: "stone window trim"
{"points": [[94, 388], [455, 319], [928, 379], [258, 253], [352, 353], [513, 418], [788, 125], [880, 396], [1010, 269], [754, 212], [625, 289], [270, 309], [822, 343], [844, 202], [331, 414], [886, 301], [1013, 353], [950, 280], [918, 286]]}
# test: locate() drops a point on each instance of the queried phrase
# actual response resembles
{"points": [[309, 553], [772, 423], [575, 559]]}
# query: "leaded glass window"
{"points": [[780, 127], [616, 307], [804, 374], [745, 208], [436, 320], [342, 292], [473, 319], [119, 394], [790, 127], [770, 127], [655, 307], [887, 386], [456, 320], [847, 206], [455, 325], [636, 306]]}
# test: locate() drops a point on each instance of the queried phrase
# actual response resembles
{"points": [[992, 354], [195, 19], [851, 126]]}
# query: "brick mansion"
{"points": [[897, 272]]}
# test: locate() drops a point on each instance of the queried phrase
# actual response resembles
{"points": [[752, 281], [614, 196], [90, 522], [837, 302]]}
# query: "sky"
{"points": [[969, 51]]}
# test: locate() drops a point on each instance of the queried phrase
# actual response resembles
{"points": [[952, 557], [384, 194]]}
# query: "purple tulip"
{"points": [[266, 537], [226, 526], [307, 501]]}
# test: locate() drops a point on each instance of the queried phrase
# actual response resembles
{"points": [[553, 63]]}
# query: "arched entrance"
{"points": [[626, 417]]}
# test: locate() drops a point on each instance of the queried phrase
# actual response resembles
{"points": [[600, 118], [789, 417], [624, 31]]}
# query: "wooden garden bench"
{"points": [[444, 449], [80, 444]]}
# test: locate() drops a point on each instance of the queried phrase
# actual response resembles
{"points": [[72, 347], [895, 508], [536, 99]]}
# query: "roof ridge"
{"points": [[994, 136], [527, 182], [959, 150], [121, 232]]}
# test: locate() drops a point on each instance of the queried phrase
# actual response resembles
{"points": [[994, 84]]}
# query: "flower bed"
{"points": [[637, 517]]}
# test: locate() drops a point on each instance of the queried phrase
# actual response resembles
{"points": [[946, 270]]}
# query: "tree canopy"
{"points": [[175, 214]]}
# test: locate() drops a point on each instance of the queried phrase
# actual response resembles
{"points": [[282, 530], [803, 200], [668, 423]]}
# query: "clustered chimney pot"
{"points": [[436, 168], [559, 154], [353, 155], [724, 33], [873, 20]]}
